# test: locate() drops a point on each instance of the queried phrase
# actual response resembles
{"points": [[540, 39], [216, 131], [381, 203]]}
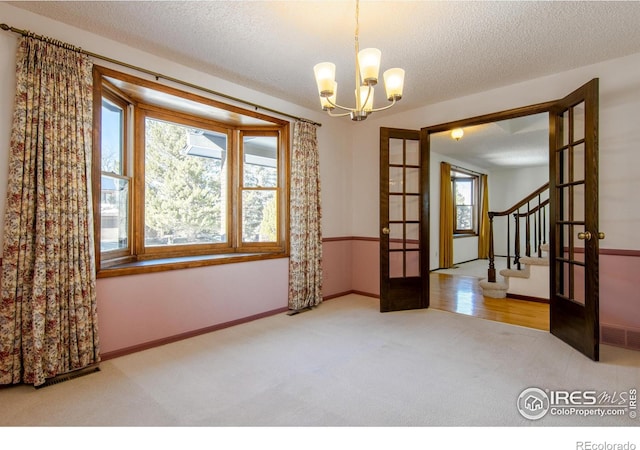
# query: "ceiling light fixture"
{"points": [[457, 133], [367, 68]]}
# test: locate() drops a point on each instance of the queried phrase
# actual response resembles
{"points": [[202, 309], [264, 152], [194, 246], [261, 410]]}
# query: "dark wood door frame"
{"points": [[573, 322]]}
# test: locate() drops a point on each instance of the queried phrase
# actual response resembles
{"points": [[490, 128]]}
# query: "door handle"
{"points": [[586, 236], [386, 230]]}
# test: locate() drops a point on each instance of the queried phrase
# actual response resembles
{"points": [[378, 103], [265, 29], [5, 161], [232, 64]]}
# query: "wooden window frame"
{"points": [[475, 180], [140, 259]]}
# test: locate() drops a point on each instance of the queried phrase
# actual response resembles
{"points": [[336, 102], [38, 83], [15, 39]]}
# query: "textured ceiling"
{"points": [[447, 48]]}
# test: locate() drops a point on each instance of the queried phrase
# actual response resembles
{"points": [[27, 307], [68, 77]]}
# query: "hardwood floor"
{"points": [[461, 294]]}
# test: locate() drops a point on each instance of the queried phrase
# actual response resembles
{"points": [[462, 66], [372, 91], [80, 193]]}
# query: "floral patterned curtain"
{"points": [[48, 319], [305, 261]]}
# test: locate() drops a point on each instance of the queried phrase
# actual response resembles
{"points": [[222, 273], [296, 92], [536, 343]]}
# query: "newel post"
{"points": [[491, 274]]}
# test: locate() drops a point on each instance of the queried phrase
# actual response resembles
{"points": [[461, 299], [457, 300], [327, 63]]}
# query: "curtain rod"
{"points": [[466, 170], [157, 75]]}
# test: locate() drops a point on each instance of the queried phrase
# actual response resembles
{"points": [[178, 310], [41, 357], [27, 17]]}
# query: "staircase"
{"points": [[531, 281], [525, 276]]}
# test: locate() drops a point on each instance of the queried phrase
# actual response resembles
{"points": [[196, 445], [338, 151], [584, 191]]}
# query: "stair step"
{"points": [[514, 273], [493, 290], [530, 261]]}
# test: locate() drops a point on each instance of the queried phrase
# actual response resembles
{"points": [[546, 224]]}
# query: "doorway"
{"points": [[573, 213]]}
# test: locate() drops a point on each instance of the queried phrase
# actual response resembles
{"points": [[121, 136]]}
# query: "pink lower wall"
{"points": [[619, 283], [336, 267], [620, 290], [366, 266], [138, 309], [350, 264]]}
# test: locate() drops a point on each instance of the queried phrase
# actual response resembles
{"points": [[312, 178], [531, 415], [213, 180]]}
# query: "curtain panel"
{"points": [[483, 228], [48, 314], [446, 217], [305, 261]]}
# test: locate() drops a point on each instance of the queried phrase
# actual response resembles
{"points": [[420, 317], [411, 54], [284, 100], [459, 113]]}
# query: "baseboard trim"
{"points": [[528, 298], [340, 294], [188, 334], [352, 291]]}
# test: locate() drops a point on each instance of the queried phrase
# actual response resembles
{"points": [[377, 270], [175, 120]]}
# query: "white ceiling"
{"points": [[447, 48], [519, 142]]}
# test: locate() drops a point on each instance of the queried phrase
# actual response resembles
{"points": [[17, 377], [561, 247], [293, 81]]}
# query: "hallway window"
{"points": [[465, 197]]}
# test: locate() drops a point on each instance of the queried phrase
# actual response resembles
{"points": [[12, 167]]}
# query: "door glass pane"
{"points": [[413, 180], [412, 262], [564, 202], [566, 239], [413, 153], [565, 128], [395, 207], [413, 235], [413, 207], [563, 282], [578, 162], [396, 264], [396, 236], [395, 179], [562, 175], [578, 284], [395, 151], [260, 161], [578, 122], [578, 244], [578, 202]]}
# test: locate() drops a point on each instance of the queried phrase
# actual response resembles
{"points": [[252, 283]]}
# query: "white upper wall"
{"points": [[619, 140], [334, 141]]}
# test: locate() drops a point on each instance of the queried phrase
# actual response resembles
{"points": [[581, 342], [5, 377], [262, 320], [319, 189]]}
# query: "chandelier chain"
{"points": [[357, 26]]}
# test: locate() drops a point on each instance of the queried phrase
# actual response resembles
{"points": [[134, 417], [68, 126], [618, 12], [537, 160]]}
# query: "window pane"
{"points": [[185, 185], [114, 214], [260, 161], [112, 137], [464, 218], [464, 192], [259, 216]]}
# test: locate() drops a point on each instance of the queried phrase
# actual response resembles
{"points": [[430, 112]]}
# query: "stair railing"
{"points": [[531, 208]]}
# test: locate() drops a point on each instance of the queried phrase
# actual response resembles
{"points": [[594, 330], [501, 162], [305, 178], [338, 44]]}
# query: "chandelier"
{"points": [[367, 69]]}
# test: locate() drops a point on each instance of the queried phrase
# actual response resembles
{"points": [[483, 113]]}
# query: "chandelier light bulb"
{"points": [[367, 68]]}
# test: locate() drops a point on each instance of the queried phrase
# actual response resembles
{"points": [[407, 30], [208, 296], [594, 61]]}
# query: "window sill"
{"points": [[464, 235], [185, 262]]}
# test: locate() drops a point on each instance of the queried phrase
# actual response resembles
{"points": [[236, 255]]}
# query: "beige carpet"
{"points": [[341, 364]]}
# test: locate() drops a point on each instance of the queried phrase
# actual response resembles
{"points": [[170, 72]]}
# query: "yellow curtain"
{"points": [[483, 229], [446, 217]]}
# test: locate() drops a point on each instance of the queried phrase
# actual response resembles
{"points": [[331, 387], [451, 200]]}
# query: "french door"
{"points": [[404, 220], [574, 237]]}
